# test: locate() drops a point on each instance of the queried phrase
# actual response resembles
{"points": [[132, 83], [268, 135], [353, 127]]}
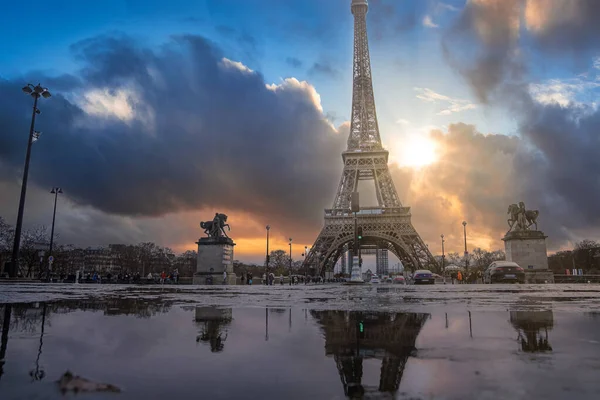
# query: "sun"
{"points": [[415, 151]]}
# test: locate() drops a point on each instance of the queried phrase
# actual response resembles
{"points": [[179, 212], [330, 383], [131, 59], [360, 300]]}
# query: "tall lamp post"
{"points": [[305, 266], [466, 252], [443, 254], [290, 261], [267, 261], [55, 191], [35, 92]]}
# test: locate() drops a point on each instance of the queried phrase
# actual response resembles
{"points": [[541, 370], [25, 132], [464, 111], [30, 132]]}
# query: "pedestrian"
{"points": [[224, 277], [162, 277]]}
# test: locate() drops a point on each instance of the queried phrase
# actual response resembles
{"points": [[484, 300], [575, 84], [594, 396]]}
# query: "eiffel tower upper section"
{"points": [[364, 130], [365, 157]]}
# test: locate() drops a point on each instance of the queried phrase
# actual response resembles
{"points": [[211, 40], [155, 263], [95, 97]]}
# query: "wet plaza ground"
{"points": [[303, 342]]}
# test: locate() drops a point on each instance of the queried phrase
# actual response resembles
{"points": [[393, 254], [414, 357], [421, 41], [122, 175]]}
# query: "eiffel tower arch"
{"points": [[388, 226]]}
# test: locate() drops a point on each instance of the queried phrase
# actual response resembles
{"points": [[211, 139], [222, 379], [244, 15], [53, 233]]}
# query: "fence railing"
{"points": [[561, 278]]}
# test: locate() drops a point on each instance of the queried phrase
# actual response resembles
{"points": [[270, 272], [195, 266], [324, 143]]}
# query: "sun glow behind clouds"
{"points": [[414, 150]]}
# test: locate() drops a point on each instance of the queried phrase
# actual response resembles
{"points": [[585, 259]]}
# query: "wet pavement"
{"points": [[318, 342]]}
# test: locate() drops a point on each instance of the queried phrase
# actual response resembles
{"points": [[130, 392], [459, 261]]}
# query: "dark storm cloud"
{"points": [[206, 133], [558, 171], [481, 44], [566, 27]]}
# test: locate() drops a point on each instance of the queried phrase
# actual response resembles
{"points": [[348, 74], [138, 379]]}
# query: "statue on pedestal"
{"points": [[215, 253], [521, 219], [525, 245], [216, 227]]}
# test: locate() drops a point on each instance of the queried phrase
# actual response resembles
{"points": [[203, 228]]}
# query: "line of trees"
{"points": [[142, 258], [279, 264], [585, 256]]}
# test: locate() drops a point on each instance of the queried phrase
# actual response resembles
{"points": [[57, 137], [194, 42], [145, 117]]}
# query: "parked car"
{"points": [[423, 276], [375, 279], [399, 280], [504, 271]]}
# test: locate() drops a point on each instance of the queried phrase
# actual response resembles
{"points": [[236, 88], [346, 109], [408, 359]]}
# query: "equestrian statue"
{"points": [[521, 219], [216, 227]]}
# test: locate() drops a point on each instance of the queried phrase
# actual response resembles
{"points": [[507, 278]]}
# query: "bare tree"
{"points": [[29, 256], [7, 235]]}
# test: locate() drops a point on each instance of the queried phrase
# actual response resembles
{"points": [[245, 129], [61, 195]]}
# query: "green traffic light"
{"points": [[361, 327]]}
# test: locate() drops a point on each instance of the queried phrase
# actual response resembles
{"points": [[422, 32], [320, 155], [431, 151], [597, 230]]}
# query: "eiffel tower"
{"points": [[388, 226]]}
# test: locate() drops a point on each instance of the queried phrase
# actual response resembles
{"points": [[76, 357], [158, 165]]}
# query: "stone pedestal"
{"points": [[215, 255], [528, 249]]}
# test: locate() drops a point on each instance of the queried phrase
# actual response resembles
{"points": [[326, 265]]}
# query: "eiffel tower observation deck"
{"points": [[386, 227]]}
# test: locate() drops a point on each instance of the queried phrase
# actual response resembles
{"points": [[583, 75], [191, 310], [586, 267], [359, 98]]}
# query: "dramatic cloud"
{"points": [[557, 119], [474, 179], [142, 132], [564, 25]]}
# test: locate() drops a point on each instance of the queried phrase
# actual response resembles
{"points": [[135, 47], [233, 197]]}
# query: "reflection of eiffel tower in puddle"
{"points": [[389, 337], [529, 324], [214, 322]]}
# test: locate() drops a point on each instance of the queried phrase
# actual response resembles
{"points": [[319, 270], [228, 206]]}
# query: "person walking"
{"points": [[224, 277]]}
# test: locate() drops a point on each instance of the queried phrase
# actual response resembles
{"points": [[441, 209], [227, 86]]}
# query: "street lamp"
{"points": [[443, 255], [290, 261], [267, 266], [35, 92], [55, 191], [466, 252], [305, 266]]}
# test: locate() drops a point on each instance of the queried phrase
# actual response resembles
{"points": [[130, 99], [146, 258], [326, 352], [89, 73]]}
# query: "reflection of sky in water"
{"points": [[157, 355]]}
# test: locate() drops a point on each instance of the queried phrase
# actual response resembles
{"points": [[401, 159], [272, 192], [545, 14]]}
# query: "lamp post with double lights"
{"points": [[55, 191], [36, 92], [466, 252], [267, 260], [290, 261]]}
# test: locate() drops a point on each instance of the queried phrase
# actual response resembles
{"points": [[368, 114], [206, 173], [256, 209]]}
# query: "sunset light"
{"points": [[415, 151]]}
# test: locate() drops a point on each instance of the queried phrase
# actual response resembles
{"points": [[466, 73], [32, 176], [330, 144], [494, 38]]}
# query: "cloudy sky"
{"points": [[164, 112]]}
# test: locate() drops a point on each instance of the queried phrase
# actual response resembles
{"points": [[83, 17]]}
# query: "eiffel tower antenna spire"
{"points": [[386, 227], [364, 130]]}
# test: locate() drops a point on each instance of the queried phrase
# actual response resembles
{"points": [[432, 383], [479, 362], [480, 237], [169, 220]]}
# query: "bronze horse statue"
{"points": [[216, 227], [522, 217]]}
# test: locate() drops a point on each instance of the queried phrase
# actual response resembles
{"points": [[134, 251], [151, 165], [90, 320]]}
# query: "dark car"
{"points": [[423, 277], [504, 271]]}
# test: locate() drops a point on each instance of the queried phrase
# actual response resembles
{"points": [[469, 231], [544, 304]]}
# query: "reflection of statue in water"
{"points": [[216, 227], [353, 336], [520, 218], [528, 325], [211, 334], [214, 326]]}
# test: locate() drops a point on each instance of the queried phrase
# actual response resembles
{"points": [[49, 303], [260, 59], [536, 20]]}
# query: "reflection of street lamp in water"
{"points": [[266, 324], [38, 374]]}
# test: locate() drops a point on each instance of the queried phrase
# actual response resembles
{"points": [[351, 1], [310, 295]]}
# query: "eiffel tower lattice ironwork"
{"points": [[388, 226]]}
